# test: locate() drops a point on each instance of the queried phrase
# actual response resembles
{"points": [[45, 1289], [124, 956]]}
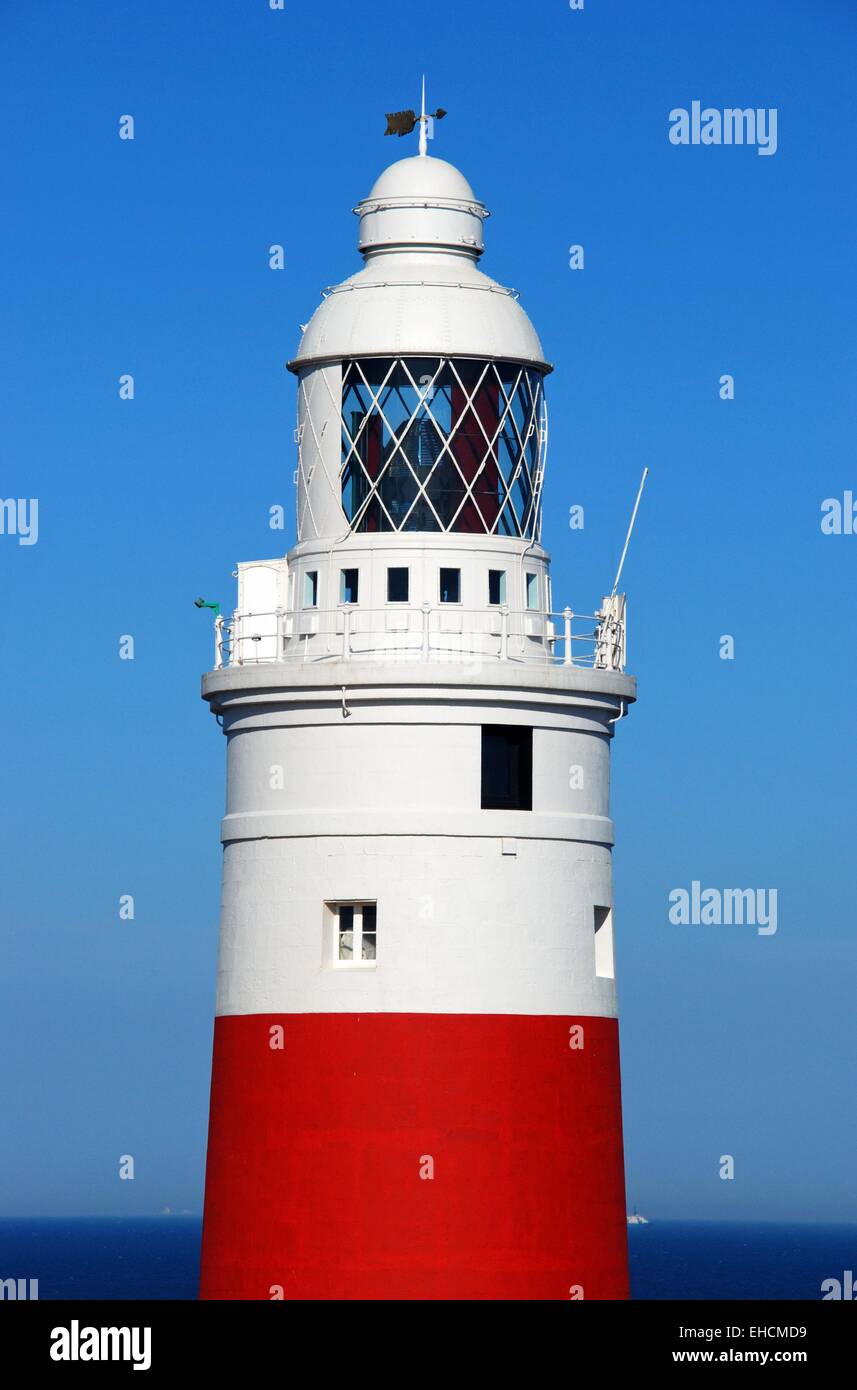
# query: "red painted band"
{"points": [[316, 1150]]}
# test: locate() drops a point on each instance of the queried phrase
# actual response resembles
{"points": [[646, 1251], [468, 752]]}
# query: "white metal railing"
{"points": [[444, 632]]}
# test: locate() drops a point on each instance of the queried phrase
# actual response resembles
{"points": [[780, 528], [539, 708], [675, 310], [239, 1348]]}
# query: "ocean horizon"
{"points": [[158, 1258]]}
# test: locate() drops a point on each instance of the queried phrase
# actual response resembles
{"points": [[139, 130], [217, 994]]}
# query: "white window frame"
{"points": [[532, 591], [309, 575], [356, 962], [349, 569]]}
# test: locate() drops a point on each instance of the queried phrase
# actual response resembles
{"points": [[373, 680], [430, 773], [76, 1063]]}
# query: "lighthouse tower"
{"points": [[415, 1090]]}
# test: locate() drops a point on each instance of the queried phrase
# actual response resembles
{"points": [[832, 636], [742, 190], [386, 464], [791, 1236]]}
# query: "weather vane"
{"points": [[403, 122]]}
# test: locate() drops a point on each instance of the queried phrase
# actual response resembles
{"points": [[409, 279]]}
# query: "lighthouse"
{"points": [[415, 1081]]}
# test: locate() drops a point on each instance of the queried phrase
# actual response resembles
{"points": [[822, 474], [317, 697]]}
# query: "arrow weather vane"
{"points": [[403, 122]]}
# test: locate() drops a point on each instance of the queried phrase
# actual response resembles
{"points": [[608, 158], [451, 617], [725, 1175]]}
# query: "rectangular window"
{"points": [[355, 933], [311, 589], [604, 943], [507, 768], [397, 585], [450, 586], [532, 591], [349, 583], [496, 586]]}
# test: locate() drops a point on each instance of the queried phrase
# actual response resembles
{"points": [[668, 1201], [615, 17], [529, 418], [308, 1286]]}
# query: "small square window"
{"points": [[507, 768], [311, 589], [349, 583], [355, 933], [450, 586], [496, 586], [397, 585], [532, 591]]}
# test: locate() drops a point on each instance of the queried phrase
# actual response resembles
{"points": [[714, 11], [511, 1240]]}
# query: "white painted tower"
{"points": [[416, 1073]]}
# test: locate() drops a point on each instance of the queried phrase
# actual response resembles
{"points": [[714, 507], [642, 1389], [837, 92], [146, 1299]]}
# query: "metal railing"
{"points": [[445, 632]]}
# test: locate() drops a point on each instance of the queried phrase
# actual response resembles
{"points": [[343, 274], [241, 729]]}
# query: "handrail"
{"points": [[440, 632]]}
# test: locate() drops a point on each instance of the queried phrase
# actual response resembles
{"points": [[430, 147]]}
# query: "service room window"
{"points": [[532, 591], [507, 768], [496, 587], [355, 933], [397, 585], [450, 586], [311, 589], [604, 943], [349, 584]]}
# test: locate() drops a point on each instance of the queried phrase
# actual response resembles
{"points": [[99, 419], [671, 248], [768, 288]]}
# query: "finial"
{"points": [[403, 122], [423, 122]]}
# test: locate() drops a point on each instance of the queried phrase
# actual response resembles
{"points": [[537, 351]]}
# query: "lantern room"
{"points": [[421, 404]]}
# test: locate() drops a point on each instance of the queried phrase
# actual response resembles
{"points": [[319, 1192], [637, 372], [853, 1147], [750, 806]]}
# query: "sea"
{"points": [[158, 1258]]}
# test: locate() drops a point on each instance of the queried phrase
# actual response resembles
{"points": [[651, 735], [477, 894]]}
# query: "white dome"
{"points": [[409, 317], [423, 175], [420, 292]]}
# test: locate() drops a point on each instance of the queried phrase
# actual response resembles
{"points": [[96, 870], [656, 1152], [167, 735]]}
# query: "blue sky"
{"points": [[256, 127]]}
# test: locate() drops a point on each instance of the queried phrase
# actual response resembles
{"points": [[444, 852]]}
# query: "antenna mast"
{"points": [[630, 529]]}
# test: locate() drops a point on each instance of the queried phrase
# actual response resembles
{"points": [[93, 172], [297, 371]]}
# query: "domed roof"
{"points": [[420, 292], [425, 177]]}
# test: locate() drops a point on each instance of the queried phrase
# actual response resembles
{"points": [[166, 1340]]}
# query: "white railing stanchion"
{"points": [[567, 615], [346, 632], [504, 633], [218, 642], [426, 633]]}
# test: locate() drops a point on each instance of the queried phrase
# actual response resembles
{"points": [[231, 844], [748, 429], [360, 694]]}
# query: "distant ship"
{"points": [[635, 1219]]}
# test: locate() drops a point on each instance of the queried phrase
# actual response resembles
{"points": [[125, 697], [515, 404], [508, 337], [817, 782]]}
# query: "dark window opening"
{"points": [[450, 586], [507, 768], [397, 585], [496, 586], [349, 586]]}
